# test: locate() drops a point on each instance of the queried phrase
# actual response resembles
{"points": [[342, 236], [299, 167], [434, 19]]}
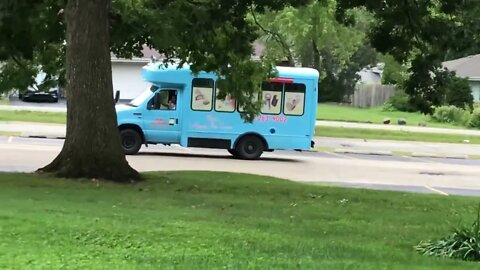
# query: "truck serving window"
{"points": [[202, 94], [294, 99], [228, 104], [271, 97]]}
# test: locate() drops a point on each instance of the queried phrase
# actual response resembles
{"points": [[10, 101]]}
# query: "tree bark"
{"points": [[92, 146]]}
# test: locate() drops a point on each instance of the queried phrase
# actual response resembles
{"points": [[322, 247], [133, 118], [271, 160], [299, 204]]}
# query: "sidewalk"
{"points": [[27, 129], [37, 108], [384, 147], [394, 127]]}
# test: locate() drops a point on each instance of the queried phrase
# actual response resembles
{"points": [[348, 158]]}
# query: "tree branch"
{"points": [[277, 38]]}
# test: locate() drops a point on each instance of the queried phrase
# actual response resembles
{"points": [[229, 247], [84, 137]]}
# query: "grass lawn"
{"points": [[192, 220], [4, 101], [38, 117], [8, 133], [374, 134], [374, 115]]}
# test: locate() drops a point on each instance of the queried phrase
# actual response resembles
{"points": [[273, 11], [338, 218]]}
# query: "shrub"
{"points": [[388, 107], [474, 120], [463, 244], [459, 93], [399, 102], [451, 114]]}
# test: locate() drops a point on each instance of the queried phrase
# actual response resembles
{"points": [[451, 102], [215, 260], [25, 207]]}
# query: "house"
{"points": [[468, 68], [371, 75], [127, 74]]}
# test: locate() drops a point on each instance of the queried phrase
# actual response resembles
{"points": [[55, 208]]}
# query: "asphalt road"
{"points": [[338, 144], [424, 175]]}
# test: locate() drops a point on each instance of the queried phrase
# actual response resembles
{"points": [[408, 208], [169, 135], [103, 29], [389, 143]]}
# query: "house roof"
{"points": [[148, 53], [467, 67]]}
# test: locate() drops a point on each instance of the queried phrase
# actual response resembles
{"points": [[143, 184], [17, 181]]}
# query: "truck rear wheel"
{"points": [[249, 147], [131, 141]]}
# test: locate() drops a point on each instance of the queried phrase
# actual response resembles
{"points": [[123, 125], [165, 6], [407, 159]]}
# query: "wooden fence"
{"points": [[370, 95]]}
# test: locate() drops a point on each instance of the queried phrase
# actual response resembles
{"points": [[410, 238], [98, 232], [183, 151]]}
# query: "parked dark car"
{"points": [[39, 96]]}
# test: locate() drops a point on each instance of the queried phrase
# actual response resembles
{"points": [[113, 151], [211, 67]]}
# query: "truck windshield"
{"points": [[143, 97]]}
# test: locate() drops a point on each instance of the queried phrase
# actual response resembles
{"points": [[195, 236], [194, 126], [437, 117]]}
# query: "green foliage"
{"points": [[211, 35], [451, 114], [474, 121], [311, 36], [459, 93], [399, 102], [427, 84], [418, 38], [340, 83], [432, 89], [393, 72], [246, 91], [463, 244]]}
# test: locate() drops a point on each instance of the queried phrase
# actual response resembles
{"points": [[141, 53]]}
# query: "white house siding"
{"points": [[475, 86], [127, 78]]}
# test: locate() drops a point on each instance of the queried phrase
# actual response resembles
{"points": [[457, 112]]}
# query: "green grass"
{"points": [[4, 101], [375, 115], [375, 134], [38, 117], [8, 133], [192, 220], [402, 153]]}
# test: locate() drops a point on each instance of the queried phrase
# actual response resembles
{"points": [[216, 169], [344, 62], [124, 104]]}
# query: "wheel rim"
{"points": [[128, 141], [251, 148]]}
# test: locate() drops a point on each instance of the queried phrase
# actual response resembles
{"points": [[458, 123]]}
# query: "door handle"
{"points": [[139, 114], [173, 121]]}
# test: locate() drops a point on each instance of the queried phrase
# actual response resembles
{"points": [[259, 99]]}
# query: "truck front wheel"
{"points": [[131, 141]]}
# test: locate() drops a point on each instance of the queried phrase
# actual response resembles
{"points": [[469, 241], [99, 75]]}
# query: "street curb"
{"points": [[43, 137], [391, 153], [427, 155], [360, 152]]}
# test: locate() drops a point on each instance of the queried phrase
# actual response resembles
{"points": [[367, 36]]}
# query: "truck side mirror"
{"points": [[117, 96], [156, 101]]}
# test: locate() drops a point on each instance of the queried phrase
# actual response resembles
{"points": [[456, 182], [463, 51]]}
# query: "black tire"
{"points": [[232, 152], [249, 147], [131, 141]]}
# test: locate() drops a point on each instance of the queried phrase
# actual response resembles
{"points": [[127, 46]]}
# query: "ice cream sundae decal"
{"points": [[225, 105], [202, 99]]}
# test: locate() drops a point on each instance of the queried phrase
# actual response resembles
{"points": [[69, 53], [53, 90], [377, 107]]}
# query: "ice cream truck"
{"points": [[183, 108]]}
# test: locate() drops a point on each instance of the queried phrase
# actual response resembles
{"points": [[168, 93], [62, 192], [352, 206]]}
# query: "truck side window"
{"points": [[168, 101]]}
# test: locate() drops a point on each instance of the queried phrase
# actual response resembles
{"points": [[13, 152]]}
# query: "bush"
{"points": [[463, 244], [474, 121], [451, 114], [459, 93], [399, 102]]}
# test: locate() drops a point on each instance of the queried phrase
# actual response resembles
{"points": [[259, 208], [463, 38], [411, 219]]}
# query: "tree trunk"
{"points": [[92, 146]]}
